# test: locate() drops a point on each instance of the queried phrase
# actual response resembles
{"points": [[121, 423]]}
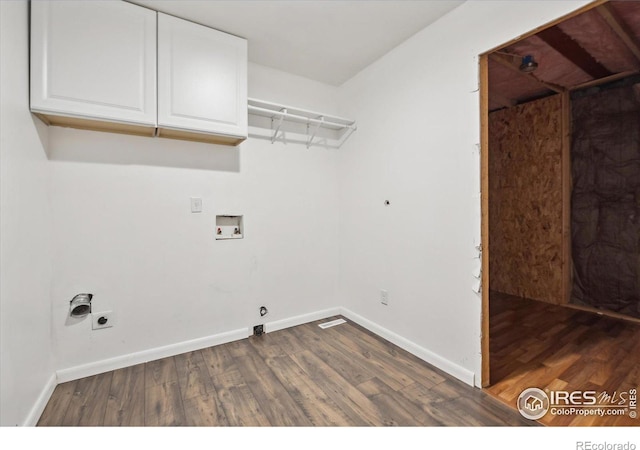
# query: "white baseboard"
{"points": [[299, 320], [41, 402], [464, 375], [94, 368]]}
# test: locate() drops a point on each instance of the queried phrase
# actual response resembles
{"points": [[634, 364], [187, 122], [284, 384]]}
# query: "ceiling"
{"points": [[598, 46], [328, 41]]}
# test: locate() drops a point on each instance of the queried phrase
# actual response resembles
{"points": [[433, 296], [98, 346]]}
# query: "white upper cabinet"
{"points": [[93, 60], [95, 64], [202, 80]]}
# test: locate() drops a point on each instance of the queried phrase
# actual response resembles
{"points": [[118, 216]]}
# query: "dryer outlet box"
{"points": [[100, 320]]}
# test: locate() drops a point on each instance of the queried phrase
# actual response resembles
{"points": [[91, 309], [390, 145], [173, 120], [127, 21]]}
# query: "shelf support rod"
{"points": [[275, 133], [298, 117], [315, 131]]}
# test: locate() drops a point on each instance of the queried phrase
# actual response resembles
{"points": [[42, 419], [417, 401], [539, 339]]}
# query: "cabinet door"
{"points": [[94, 60], [202, 78]]}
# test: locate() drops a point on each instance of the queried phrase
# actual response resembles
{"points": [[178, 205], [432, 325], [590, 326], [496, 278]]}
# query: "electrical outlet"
{"points": [[105, 319], [384, 297]]}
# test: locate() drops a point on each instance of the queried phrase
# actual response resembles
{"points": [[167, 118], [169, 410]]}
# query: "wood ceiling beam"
{"points": [[619, 27], [614, 77], [509, 65], [571, 50], [536, 30]]}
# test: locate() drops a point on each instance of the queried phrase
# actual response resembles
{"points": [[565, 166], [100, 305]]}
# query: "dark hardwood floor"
{"points": [[301, 376], [536, 344]]}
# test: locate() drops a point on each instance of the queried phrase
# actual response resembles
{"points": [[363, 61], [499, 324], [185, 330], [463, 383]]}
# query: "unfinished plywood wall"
{"points": [[526, 200]]}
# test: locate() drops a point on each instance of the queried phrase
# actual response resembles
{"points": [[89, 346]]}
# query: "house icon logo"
{"points": [[533, 403]]}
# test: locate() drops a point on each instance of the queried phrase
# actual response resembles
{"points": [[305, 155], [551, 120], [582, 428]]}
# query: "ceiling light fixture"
{"points": [[528, 64]]}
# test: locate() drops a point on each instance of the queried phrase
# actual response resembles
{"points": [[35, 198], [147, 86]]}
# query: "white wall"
{"points": [[124, 231], [418, 125], [26, 365], [119, 225]]}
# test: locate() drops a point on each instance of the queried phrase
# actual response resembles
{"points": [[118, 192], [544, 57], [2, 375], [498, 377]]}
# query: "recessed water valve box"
{"points": [[229, 227]]}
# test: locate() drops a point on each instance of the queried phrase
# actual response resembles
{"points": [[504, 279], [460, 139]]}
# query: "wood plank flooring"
{"points": [[535, 344], [301, 376]]}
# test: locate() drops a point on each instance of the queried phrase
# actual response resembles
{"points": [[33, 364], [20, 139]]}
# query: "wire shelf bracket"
{"points": [[315, 131], [280, 120]]}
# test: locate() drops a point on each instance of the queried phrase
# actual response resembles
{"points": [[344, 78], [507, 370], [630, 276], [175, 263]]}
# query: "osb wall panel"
{"points": [[525, 200]]}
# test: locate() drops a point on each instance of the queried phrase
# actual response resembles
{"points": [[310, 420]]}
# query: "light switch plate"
{"points": [[196, 204]]}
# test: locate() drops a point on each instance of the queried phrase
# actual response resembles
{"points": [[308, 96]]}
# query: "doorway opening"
{"points": [[560, 140]]}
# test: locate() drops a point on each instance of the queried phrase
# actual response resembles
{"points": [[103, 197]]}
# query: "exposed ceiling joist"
{"points": [[593, 48], [509, 65], [609, 79], [571, 50], [620, 28]]}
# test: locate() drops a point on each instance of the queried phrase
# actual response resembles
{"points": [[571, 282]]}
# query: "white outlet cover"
{"points": [[196, 204], [384, 297], [109, 315]]}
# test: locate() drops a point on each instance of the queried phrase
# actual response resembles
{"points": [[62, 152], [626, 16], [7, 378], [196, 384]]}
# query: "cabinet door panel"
{"points": [[94, 59], [202, 78]]}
